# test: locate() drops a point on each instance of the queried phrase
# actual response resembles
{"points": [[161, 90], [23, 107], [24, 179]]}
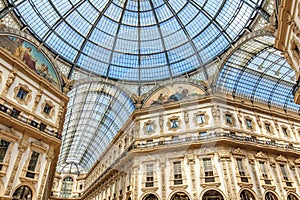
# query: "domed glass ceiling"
{"points": [[137, 40]]}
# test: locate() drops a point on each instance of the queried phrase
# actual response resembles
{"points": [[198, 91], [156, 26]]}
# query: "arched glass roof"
{"points": [[137, 40], [260, 73], [96, 112]]}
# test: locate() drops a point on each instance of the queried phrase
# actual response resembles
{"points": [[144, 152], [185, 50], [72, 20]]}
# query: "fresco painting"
{"points": [[176, 92], [31, 56]]}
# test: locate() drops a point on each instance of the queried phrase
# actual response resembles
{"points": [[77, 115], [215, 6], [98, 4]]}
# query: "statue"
{"points": [[68, 83], [9, 81], [138, 100]]}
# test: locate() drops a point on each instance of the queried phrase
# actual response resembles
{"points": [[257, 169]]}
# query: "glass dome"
{"points": [[137, 40]]}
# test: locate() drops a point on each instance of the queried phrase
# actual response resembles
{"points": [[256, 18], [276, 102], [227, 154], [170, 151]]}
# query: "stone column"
{"points": [[191, 162], [224, 157], [21, 149], [42, 186], [163, 179], [256, 178]]}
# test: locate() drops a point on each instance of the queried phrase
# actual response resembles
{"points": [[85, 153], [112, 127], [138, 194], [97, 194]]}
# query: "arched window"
{"points": [[292, 197], [180, 196], [246, 195], [212, 195], [150, 197], [270, 196], [66, 188], [22, 193]]}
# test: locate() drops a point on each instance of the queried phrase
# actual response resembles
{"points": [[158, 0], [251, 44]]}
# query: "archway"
{"points": [[180, 196], [22, 193], [66, 187], [212, 195], [246, 195], [292, 197], [270, 196], [150, 197]]}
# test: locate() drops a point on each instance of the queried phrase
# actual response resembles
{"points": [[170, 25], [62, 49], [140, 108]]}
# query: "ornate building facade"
{"points": [[185, 143], [32, 109], [149, 100]]}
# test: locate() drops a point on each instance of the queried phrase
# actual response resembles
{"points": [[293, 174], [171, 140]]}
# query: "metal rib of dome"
{"points": [[137, 40]]}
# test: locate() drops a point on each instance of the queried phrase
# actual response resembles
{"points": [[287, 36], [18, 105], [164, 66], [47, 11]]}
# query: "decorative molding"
{"points": [[28, 95], [172, 124], [260, 155], [52, 110], [271, 127], [253, 127], [149, 127], [11, 78], [297, 161], [238, 151], [138, 100], [280, 158], [232, 118], [200, 118], [37, 99]]}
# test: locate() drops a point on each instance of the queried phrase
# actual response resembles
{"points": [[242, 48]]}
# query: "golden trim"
{"points": [[206, 118], [28, 95], [152, 128], [233, 120], [252, 123], [271, 127], [51, 114], [174, 126]]}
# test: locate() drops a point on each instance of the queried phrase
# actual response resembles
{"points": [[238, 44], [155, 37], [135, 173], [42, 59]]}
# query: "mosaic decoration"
{"points": [[31, 56], [174, 93]]}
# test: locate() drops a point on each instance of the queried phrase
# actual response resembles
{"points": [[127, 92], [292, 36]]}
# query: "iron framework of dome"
{"points": [[137, 40]]}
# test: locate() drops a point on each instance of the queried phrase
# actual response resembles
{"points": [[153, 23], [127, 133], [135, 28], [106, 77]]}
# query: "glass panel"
{"points": [[203, 29]]}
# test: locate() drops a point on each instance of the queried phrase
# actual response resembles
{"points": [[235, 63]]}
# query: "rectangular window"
{"points": [[200, 119], [228, 119], [3, 149], [177, 173], [32, 164], [249, 123], [22, 94], [174, 123], [284, 130], [263, 169], [149, 127], [175, 139], [208, 170], [149, 175], [284, 174], [15, 113], [268, 127], [47, 109], [241, 169]]}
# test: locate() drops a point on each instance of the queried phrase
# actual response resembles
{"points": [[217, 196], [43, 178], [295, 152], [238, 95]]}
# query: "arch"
{"points": [[150, 196], [32, 188], [179, 195], [67, 187], [270, 195], [212, 194], [292, 196], [23, 193], [246, 194]]}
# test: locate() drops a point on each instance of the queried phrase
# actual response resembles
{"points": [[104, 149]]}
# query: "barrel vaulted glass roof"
{"points": [[259, 72], [96, 112], [137, 40]]}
